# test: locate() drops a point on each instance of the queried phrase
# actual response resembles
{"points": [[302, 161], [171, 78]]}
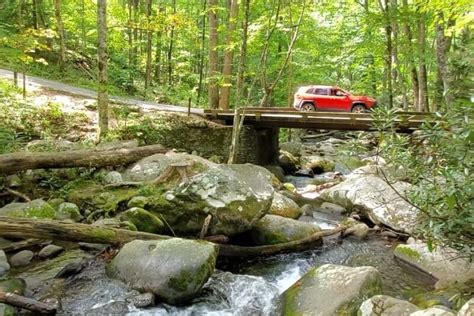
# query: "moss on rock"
{"points": [[143, 220]]}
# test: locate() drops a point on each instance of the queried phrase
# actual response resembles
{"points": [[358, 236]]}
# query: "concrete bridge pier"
{"points": [[259, 146]]}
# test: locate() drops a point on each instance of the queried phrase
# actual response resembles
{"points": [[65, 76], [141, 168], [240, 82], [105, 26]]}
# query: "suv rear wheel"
{"points": [[308, 107], [358, 108]]}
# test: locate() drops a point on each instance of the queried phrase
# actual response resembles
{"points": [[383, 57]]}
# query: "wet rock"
{"points": [[383, 305], [467, 309], [331, 290], [112, 308], [50, 251], [388, 234], [289, 187], [434, 311], [175, 269], [288, 162], [235, 195], [359, 230], [285, 207], [22, 258], [332, 208], [142, 300], [272, 229], [68, 211], [143, 220], [138, 201], [317, 164], [151, 167], [445, 264], [113, 177], [4, 265], [278, 172], [379, 200], [305, 173], [92, 247], [293, 148], [34, 209]]}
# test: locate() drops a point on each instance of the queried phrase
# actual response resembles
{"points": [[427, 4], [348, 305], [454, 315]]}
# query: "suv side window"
{"points": [[310, 91], [321, 91]]}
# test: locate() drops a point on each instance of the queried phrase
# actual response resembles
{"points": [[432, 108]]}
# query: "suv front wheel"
{"points": [[358, 108]]}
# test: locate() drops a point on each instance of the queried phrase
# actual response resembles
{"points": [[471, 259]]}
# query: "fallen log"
{"points": [[27, 303], [46, 229], [12, 163]]}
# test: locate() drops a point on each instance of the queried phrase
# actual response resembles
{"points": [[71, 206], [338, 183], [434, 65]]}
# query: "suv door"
{"points": [[339, 101], [321, 99]]}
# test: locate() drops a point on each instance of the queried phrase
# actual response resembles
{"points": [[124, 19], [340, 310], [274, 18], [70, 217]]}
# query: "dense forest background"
{"points": [[409, 54]]}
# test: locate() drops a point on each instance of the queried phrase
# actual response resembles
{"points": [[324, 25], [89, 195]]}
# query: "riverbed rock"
{"points": [[467, 309], [22, 258], [444, 264], [149, 168], [359, 230], [235, 195], [332, 208], [68, 211], [113, 177], [380, 201], [434, 311], [278, 172], [34, 209], [137, 201], [288, 162], [273, 229], [50, 251], [317, 164], [142, 300], [293, 148], [174, 269], [384, 305], [285, 207], [143, 220], [332, 290], [4, 265]]}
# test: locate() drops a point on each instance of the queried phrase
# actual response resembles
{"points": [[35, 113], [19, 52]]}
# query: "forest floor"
{"points": [[56, 89]]}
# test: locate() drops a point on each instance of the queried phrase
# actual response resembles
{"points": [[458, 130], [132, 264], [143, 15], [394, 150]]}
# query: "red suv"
{"points": [[330, 98]]}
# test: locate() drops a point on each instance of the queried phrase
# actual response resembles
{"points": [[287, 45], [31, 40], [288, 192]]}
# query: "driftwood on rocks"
{"points": [[27, 303], [46, 229], [12, 163]]}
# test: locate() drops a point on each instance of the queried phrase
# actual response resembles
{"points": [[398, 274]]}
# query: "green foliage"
{"points": [[438, 160]]}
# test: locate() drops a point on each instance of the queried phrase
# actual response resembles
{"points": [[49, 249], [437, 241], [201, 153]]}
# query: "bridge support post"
{"points": [[267, 144]]}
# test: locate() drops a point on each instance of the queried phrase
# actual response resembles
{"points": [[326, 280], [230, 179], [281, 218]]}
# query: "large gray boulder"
{"points": [[273, 229], [383, 305], [4, 265], [444, 264], [284, 206], [467, 309], [383, 203], [151, 167], [174, 270], [236, 196], [331, 290]]}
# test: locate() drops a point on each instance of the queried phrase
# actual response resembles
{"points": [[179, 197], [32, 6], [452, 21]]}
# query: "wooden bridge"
{"points": [[287, 117]]}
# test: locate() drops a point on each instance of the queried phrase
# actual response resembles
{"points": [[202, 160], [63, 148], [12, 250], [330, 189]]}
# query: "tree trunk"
{"points": [[243, 55], [12, 163], [149, 37], [170, 50], [224, 99], [158, 49], [131, 62], [201, 52], [45, 229], [35, 14], [411, 61], [443, 44], [395, 63], [213, 93], [423, 80], [62, 40], [102, 97], [386, 10]]}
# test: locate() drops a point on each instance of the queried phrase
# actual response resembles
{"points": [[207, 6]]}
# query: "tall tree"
{"points": [[149, 35], [423, 104], [170, 49], [443, 45], [213, 89], [228, 56], [102, 97], [243, 55], [62, 40]]}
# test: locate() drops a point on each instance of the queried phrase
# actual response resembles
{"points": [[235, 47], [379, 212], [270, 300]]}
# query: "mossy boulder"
{"points": [[34, 209], [235, 195], [175, 270], [68, 211], [317, 164], [138, 201], [143, 220], [273, 229], [445, 264], [284, 206], [288, 162], [381, 202], [386, 305], [149, 168], [444, 296], [331, 290]]}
